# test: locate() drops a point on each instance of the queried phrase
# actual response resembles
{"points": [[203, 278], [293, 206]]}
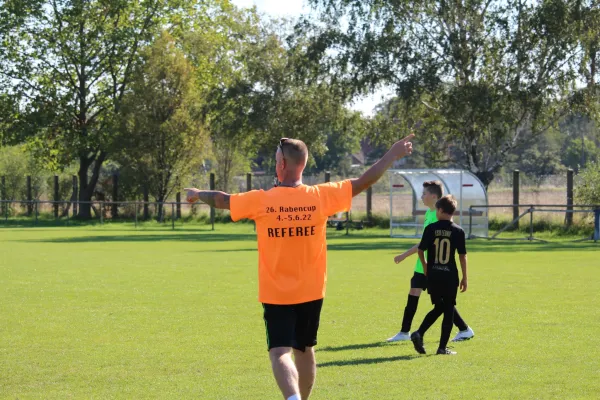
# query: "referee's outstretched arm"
{"points": [[213, 198], [400, 149]]}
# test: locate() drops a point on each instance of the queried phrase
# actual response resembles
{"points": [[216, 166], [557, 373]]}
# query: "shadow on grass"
{"points": [[480, 246], [132, 237], [356, 346], [366, 361], [336, 243]]}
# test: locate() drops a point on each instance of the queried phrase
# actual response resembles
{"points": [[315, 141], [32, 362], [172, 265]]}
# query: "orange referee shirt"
{"points": [[291, 226]]}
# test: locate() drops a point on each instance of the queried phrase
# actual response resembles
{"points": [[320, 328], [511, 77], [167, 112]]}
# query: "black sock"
{"points": [[459, 322], [430, 319], [409, 312], [446, 326]]}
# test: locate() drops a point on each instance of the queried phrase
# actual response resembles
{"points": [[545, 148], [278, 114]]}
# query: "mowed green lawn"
{"points": [[115, 313]]}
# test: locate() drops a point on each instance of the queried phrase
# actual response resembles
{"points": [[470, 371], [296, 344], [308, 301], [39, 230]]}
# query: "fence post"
{"points": [[327, 177], [596, 224], [369, 204], [3, 193], [248, 182], [29, 197], [75, 196], [146, 199], [531, 210], [56, 196], [516, 196], [115, 206], [178, 201], [569, 215], [212, 209]]}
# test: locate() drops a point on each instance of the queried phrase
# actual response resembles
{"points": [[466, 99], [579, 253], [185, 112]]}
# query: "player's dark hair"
{"points": [[447, 204], [434, 187]]}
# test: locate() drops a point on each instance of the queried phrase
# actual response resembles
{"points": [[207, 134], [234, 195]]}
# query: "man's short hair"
{"points": [[294, 150], [434, 187], [447, 204]]}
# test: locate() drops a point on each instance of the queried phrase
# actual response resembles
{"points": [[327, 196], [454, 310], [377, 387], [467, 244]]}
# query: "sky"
{"points": [[294, 8]]}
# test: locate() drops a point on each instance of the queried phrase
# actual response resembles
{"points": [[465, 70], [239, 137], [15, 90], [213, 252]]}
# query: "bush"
{"points": [[13, 166], [540, 224], [588, 188]]}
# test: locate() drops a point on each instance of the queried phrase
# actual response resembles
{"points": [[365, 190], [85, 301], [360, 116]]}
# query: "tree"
{"points": [[255, 94], [16, 163], [73, 61], [9, 118], [163, 129], [344, 140], [487, 76], [297, 101], [587, 17], [588, 188], [220, 48]]}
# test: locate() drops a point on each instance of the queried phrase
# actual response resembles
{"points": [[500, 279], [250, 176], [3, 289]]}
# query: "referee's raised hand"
{"points": [[404, 147], [192, 195]]}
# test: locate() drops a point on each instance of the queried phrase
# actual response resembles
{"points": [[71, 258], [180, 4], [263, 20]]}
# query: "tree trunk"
{"points": [[160, 210], [85, 210], [485, 177], [86, 189], [160, 198]]}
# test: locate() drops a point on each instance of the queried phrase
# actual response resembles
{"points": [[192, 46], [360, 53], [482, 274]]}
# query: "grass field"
{"points": [[113, 313]]}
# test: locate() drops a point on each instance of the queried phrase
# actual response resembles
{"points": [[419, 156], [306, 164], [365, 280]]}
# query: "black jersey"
{"points": [[442, 240]]}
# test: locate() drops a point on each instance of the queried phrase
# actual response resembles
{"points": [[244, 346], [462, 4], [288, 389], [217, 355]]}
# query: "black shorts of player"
{"points": [[443, 292], [294, 325], [418, 281]]}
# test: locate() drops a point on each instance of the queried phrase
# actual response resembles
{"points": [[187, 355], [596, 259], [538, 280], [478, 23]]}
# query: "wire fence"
{"points": [[530, 210], [534, 190], [37, 211]]}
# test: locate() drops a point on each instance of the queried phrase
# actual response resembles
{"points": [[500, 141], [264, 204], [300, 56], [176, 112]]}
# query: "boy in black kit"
{"points": [[442, 240]]}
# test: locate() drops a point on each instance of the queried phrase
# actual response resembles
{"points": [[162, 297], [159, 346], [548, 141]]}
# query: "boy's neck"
{"points": [[445, 217], [432, 207]]}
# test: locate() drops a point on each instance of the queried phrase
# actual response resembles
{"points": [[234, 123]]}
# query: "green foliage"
{"points": [[13, 166], [163, 138], [477, 81], [9, 117], [255, 96], [587, 190], [16, 163], [73, 63], [544, 227], [578, 153]]}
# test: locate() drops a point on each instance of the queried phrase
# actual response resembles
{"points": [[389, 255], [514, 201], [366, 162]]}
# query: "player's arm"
{"points": [[463, 266], [400, 149], [213, 198], [423, 262], [398, 259], [461, 249], [426, 242]]}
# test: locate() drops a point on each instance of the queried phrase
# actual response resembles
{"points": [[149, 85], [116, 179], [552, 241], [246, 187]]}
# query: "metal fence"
{"points": [[102, 211], [530, 210]]}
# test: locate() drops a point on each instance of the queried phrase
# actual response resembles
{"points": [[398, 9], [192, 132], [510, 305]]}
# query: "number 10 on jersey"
{"points": [[442, 250]]}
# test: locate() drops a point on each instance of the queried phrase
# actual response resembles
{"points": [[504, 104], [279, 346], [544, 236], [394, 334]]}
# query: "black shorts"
{"points": [[418, 281], [293, 325], [443, 293]]}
